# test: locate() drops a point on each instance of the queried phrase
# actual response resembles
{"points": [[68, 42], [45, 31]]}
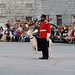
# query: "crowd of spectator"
{"points": [[66, 33], [15, 30]]}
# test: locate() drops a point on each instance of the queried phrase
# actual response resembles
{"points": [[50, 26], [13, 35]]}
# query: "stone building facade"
{"points": [[61, 11]]}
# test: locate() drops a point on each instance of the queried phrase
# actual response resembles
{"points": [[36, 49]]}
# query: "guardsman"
{"points": [[44, 33]]}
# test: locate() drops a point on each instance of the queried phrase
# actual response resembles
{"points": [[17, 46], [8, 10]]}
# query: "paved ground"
{"points": [[17, 59]]}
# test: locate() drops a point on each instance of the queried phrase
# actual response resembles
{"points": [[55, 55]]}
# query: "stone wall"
{"points": [[66, 8], [34, 8], [16, 8]]}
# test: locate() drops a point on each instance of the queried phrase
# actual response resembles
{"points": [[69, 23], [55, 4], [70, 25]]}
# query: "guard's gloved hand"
{"points": [[35, 31], [48, 35]]}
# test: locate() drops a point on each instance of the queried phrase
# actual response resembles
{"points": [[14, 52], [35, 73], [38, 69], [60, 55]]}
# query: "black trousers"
{"points": [[44, 45]]}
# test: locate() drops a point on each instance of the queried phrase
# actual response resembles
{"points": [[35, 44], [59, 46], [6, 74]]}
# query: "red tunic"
{"points": [[43, 29]]}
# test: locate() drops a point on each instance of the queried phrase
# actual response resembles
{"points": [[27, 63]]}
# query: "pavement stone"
{"points": [[16, 58]]}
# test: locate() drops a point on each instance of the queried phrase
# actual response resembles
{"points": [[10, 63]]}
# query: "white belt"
{"points": [[42, 30]]}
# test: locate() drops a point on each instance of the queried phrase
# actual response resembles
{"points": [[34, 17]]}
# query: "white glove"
{"points": [[48, 35], [36, 31]]}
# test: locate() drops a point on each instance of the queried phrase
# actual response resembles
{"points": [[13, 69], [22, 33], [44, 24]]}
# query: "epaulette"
{"points": [[47, 22]]}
